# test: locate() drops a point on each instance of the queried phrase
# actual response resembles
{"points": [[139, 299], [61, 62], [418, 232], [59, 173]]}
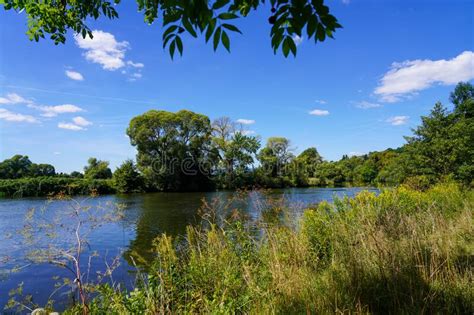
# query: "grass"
{"points": [[403, 251]]}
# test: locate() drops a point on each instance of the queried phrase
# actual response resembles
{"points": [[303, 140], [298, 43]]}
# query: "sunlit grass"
{"points": [[403, 251]]}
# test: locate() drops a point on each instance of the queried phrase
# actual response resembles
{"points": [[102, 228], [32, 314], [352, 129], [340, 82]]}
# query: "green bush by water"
{"points": [[403, 251], [44, 186]]}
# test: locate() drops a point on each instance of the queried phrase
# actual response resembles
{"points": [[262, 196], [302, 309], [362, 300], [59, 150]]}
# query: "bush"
{"points": [[44, 186], [420, 182], [127, 179]]}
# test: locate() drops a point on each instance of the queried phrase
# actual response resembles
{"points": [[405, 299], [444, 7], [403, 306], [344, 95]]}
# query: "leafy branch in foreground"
{"points": [[213, 19]]}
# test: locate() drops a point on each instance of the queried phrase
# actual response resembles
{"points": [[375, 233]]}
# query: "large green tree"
{"points": [[276, 156], [16, 167], [174, 149], [127, 178], [463, 99], [19, 166], [236, 151], [309, 160], [97, 169], [443, 145], [214, 20], [42, 169]]}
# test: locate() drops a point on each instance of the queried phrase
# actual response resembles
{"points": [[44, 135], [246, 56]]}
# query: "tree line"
{"points": [[185, 151]]}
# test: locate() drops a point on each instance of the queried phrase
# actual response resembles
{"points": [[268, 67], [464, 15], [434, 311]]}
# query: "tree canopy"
{"points": [[174, 149], [214, 20], [97, 169], [310, 159], [444, 143], [127, 178], [275, 155], [20, 166], [235, 151]]}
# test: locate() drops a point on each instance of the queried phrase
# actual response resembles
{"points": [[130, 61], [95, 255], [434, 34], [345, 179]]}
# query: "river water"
{"points": [[145, 216]]}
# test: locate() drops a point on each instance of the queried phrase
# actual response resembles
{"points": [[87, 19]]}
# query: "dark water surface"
{"points": [[145, 217]]}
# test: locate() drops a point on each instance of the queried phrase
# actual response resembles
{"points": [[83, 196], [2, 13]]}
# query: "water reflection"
{"points": [[146, 217], [154, 214]]}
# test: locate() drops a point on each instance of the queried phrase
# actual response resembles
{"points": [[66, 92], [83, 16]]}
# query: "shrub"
{"points": [[44, 186]]}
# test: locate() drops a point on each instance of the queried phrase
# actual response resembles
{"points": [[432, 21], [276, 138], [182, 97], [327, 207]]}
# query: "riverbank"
{"points": [[48, 186], [403, 251]]}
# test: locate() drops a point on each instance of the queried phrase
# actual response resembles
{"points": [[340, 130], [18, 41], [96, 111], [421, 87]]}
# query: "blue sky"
{"points": [[389, 64]]}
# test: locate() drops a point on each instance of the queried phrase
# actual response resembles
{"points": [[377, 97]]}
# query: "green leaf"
{"points": [[286, 46], [276, 41], [227, 16], [210, 29], [320, 33], [170, 30], [311, 27], [231, 27], [292, 45], [170, 17], [329, 33], [172, 48], [225, 41], [187, 25], [167, 39], [179, 44], [217, 36], [219, 4]]}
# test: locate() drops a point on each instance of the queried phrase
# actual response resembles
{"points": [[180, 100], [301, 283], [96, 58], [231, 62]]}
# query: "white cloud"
{"points": [[135, 64], [78, 123], [355, 153], [52, 111], [297, 39], [16, 117], [81, 121], [74, 75], [321, 102], [56, 153], [367, 105], [319, 112], [411, 76], [246, 121], [135, 76], [13, 98], [398, 120], [248, 132], [103, 49], [69, 126]]}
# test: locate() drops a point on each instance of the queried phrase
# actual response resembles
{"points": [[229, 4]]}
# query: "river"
{"points": [[145, 216]]}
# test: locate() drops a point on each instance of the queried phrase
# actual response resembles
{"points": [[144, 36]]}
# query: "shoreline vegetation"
{"points": [[184, 151], [402, 251], [51, 186]]}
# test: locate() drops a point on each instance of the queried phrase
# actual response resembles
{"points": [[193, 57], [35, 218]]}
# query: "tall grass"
{"points": [[403, 251]]}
